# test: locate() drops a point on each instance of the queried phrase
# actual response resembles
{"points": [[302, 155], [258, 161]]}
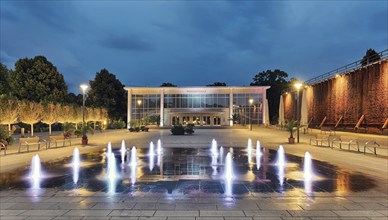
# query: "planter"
{"points": [[291, 140], [84, 141]]}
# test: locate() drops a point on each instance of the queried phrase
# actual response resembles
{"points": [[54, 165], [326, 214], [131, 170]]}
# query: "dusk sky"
{"points": [[191, 43]]}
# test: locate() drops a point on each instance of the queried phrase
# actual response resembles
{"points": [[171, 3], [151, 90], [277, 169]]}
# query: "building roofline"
{"points": [[198, 87]]}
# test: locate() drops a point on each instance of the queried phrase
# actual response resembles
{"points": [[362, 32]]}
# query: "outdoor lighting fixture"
{"points": [[84, 88], [250, 114], [297, 85], [337, 75], [139, 103]]}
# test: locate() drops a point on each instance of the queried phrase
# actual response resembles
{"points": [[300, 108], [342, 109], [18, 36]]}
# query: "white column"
{"points": [[129, 110], [161, 107], [264, 100], [230, 107]]}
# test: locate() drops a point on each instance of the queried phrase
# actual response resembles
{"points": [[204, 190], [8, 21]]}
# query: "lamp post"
{"points": [[297, 86], [139, 103], [250, 114], [84, 88]]}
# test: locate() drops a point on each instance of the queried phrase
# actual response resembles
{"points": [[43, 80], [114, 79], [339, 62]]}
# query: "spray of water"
{"points": [[249, 151], [123, 151], [159, 148], [35, 172], [308, 167], [108, 150], [133, 162], [76, 163], [151, 155], [281, 163], [228, 174], [259, 154]]}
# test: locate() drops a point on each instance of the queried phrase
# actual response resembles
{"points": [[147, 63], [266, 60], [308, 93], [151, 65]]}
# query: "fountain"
{"points": [[308, 167], [249, 151], [228, 174], [76, 165], [108, 150], [281, 163], [214, 148], [151, 155], [221, 154], [35, 172], [133, 161], [159, 149], [259, 154], [123, 151], [111, 173]]}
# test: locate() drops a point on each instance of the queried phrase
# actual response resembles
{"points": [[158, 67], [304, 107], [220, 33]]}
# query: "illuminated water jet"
{"points": [[35, 172], [249, 151], [133, 161], [123, 150], [76, 163], [151, 155], [159, 149]]}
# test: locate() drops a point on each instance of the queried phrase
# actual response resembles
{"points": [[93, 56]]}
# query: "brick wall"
{"points": [[362, 91]]}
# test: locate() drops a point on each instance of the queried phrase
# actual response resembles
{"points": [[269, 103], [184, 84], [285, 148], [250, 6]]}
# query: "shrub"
{"points": [[189, 129], [117, 124], [178, 130], [4, 137]]}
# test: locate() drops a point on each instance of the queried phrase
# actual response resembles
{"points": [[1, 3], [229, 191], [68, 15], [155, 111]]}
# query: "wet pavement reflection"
{"points": [[191, 172]]}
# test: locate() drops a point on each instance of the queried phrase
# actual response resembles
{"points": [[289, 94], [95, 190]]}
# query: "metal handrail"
{"points": [[383, 55]]}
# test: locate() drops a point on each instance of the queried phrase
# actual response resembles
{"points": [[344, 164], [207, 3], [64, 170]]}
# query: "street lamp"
{"points": [[297, 85], [84, 88], [250, 114], [139, 103]]}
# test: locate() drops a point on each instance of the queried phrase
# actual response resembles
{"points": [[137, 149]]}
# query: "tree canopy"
{"points": [[217, 84], [108, 92], [370, 57], [4, 74], [168, 84], [37, 79], [277, 79]]}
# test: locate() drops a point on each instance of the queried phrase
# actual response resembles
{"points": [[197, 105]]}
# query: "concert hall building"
{"points": [[202, 106]]}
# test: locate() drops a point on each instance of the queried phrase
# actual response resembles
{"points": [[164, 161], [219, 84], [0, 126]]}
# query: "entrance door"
{"points": [[216, 120], [205, 120]]}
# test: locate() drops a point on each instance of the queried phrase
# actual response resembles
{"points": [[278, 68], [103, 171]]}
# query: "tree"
{"points": [[168, 84], [9, 112], [51, 114], [4, 85], [217, 84], [72, 98], [277, 79], [30, 113], [108, 92], [370, 57], [37, 80]]}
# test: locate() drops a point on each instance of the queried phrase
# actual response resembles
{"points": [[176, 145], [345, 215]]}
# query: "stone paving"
{"points": [[342, 204]]}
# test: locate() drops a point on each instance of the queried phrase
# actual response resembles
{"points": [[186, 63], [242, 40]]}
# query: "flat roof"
{"points": [[197, 89]]}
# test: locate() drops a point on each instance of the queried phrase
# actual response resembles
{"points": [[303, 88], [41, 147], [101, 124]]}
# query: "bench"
{"points": [[3, 147], [31, 141], [59, 139], [369, 145], [352, 142], [320, 138]]}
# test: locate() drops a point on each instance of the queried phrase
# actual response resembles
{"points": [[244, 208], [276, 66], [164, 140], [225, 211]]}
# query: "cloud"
{"points": [[128, 43]]}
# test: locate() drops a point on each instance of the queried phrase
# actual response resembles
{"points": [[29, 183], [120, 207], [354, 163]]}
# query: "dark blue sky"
{"points": [[191, 43]]}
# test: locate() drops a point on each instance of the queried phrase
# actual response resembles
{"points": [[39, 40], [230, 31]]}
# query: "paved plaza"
{"points": [[54, 203]]}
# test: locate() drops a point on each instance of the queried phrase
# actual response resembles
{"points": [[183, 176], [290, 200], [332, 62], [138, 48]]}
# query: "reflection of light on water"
{"points": [[342, 183], [259, 154], [249, 151], [123, 151], [133, 174], [76, 165], [214, 170], [281, 163], [35, 172], [151, 155], [308, 186]]}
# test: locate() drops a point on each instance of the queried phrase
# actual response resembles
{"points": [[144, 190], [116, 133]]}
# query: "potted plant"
{"points": [[189, 129], [83, 131], [291, 127], [68, 129], [178, 130]]}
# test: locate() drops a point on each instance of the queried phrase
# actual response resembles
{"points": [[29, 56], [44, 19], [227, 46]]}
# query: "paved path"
{"points": [[56, 204]]}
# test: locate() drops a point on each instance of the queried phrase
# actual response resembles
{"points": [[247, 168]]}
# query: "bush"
{"points": [[189, 129], [4, 137], [117, 124], [178, 130]]}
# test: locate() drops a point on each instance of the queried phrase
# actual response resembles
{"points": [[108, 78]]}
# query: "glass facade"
{"points": [[145, 105], [244, 112], [196, 101]]}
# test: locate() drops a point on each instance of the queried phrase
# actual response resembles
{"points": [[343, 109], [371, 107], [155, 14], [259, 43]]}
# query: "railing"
{"points": [[352, 66]]}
